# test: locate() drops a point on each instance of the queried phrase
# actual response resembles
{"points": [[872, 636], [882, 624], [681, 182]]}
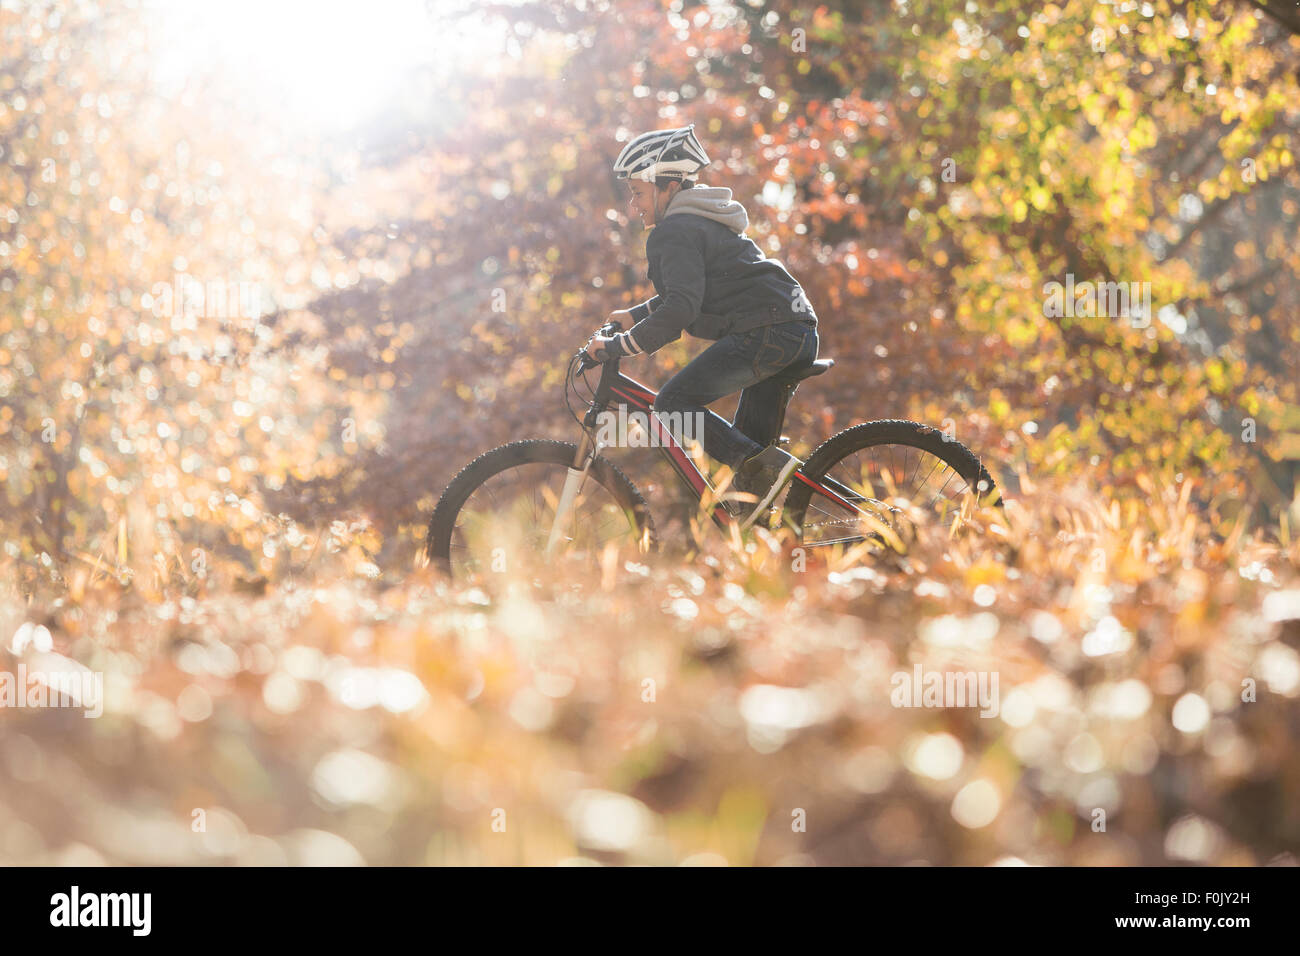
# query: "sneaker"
{"points": [[763, 476]]}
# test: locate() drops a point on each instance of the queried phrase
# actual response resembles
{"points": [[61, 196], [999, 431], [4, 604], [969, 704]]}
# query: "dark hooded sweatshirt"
{"points": [[711, 279]]}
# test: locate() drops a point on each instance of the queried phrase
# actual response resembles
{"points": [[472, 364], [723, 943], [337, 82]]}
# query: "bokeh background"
{"points": [[271, 273]]}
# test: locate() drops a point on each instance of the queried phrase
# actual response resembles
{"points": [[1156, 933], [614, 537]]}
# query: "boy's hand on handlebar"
{"points": [[598, 348]]}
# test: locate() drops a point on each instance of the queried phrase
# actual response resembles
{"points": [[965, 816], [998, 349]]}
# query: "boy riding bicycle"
{"points": [[714, 283]]}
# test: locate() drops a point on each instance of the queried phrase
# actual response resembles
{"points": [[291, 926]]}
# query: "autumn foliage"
{"points": [[240, 358]]}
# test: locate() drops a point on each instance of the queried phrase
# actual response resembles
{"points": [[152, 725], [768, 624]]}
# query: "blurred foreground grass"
{"points": [[721, 708]]}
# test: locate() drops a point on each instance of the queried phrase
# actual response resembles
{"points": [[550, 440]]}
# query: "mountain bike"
{"points": [[868, 485]]}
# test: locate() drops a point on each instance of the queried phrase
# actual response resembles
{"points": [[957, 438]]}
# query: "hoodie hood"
{"points": [[711, 202]]}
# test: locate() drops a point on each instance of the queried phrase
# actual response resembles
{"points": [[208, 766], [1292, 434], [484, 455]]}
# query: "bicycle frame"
{"points": [[618, 390]]}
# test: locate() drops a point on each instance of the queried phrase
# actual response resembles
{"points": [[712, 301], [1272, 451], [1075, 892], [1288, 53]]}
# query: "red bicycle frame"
{"points": [[616, 389]]}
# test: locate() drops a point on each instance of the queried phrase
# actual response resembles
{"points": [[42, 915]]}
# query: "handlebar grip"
{"points": [[612, 327]]}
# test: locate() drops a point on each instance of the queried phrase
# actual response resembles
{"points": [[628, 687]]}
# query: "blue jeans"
{"points": [[744, 360]]}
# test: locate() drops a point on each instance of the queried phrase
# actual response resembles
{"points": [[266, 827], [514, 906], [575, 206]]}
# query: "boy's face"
{"points": [[644, 198]]}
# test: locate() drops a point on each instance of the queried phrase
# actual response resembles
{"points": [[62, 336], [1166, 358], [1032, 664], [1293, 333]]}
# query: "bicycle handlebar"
{"points": [[612, 327]]}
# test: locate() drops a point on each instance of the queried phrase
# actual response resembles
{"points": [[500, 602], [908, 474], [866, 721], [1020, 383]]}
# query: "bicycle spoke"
{"points": [[937, 463], [919, 460], [945, 485]]}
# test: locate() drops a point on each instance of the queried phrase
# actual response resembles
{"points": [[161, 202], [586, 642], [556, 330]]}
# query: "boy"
{"points": [[713, 282]]}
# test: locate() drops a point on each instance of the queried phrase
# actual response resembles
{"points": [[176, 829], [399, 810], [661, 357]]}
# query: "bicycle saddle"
{"points": [[789, 376]]}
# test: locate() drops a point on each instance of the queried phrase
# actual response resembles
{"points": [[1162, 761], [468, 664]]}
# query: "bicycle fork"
{"points": [[573, 482]]}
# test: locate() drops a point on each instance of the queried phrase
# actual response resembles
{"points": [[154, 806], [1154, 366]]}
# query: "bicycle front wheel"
{"points": [[878, 481], [496, 516]]}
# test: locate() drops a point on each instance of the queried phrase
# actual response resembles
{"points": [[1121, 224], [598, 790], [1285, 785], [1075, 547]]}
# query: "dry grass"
{"points": [[722, 707]]}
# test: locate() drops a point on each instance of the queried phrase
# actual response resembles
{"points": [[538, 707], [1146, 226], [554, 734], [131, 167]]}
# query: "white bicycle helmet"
{"points": [[668, 153]]}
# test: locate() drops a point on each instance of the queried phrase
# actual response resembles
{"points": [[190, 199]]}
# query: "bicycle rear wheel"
{"points": [[878, 481], [496, 515]]}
